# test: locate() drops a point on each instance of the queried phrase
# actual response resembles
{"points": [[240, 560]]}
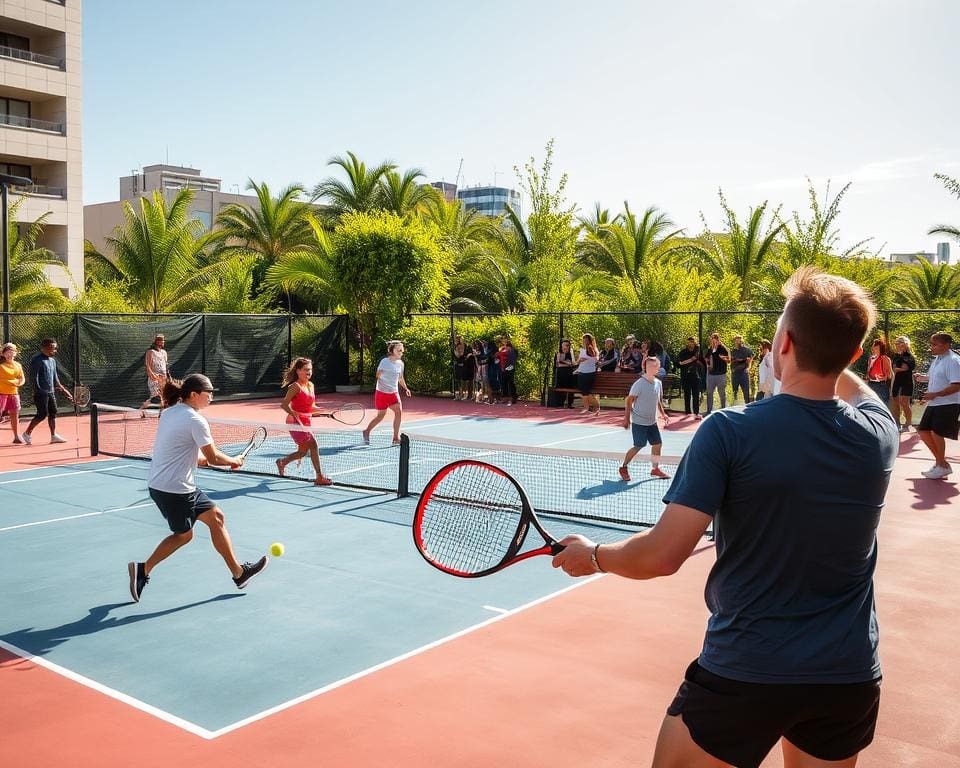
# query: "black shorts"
{"points": [[585, 382], [181, 510], [46, 405], [943, 420], [902, 386], [741, 722]]}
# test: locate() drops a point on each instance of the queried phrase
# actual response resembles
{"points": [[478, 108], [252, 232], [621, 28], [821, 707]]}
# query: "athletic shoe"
{"points": [[250, 570], [138, 580], [657, 472], [323, 480], [55, 438], [26, 438], [937, 473], [17, 441], [698, 417], [624, 474]]}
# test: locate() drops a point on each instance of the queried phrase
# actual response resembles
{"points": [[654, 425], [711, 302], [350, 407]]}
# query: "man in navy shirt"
{"points": [[790, 651], [43, 377]]}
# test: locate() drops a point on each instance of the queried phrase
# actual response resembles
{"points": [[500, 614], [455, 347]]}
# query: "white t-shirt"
{"points": [[944, 371], [389, 379], [765, 373], [182, 431], [587, 364]]}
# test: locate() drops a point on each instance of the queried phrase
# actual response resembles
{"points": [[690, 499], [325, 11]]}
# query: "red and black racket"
{"points": [[472, 520]]}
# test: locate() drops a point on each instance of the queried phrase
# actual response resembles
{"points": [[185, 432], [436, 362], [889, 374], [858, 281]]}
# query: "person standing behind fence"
{"points": [[43, 377], [387, 394], [741, 356], [158, 370], [765, 375], [11, 379], [587, 374], [563, 376], [717, 358], [490, 350], [880, 371], [904, 364], [507, 357], [690, 361]]}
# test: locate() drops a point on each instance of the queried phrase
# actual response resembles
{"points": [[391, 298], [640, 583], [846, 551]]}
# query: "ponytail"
{"points": [[175, 391]]}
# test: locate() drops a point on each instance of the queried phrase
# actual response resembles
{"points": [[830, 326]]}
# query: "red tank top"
{"points": [[303, 404]]}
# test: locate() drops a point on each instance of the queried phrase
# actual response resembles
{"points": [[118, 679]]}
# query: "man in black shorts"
{"points": [[939, 422], [790, 652], [181, 433]]}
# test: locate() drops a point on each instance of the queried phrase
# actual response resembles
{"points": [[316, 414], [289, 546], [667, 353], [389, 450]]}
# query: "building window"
{"points": [[16, 170], [15, 108], [14, 41], [203, 217]]}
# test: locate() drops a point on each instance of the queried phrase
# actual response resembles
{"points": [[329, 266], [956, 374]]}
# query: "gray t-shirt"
{"points": [[644, 408], [738, 358], [181, 433], [795, 488]]}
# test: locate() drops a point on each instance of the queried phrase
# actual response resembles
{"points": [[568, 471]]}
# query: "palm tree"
{"points": [[310, 270], [361, 191], [273, 228], [809, 242], [930, 287], [232, 289], [746, 252], [628, 246], [953, 187], [458, 227], [30, 288], [403, 194], [159, 254]]}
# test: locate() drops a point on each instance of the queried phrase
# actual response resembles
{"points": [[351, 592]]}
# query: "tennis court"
{"points": [[350, 650]]}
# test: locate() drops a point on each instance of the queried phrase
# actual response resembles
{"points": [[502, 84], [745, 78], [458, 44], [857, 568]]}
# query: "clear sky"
{"points": [[654, 103]]}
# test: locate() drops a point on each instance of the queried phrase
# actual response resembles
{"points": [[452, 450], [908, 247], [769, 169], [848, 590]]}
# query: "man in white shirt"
{"points": [[941, 417]]}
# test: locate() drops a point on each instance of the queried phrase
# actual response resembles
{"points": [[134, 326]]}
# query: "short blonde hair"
{"points": [[903, 340]]}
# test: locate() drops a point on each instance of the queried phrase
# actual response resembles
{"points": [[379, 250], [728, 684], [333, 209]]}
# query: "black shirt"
{"points": [[716, 366], [906, 359], [689, 370]]}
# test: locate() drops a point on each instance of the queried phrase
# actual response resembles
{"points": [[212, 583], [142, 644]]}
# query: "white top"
{"points": [[389, 379], [182, 431], [765, 373], [587, 364], [944, 371]]}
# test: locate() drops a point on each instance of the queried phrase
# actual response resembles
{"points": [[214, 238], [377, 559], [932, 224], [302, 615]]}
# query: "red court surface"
{"points": [[582, 679]]}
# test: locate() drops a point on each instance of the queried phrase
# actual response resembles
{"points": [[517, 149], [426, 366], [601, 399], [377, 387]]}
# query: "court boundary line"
{"points": [[64, 474], [57, 466], [208, 735], [74, 517]]}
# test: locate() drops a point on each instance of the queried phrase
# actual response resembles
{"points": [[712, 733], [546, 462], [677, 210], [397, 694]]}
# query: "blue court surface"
{"points": [[350, 595]]}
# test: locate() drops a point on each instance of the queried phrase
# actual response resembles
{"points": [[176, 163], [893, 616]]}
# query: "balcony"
{"points": [[19, 54], [41, 190], [16, 121]]}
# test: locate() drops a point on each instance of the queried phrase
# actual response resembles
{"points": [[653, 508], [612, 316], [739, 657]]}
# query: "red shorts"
{"points": [[383, 400], [9, 403], [300, 437]]}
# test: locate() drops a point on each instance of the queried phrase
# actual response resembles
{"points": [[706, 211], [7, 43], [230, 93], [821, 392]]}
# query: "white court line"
{"points": [[495, 609], [37, 469], [431, 423], [74, 517], [114, 694], [397, 659], [65, 474], [583, 437]]}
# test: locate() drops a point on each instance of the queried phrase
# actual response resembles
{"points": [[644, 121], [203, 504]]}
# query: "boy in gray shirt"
{"points": [[644, 404]]}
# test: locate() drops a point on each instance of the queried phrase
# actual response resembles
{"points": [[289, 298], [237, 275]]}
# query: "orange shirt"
{"points": [[11, 377]]}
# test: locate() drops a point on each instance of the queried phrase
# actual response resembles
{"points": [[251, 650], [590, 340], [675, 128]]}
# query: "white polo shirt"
{"points": [[944, 371]]}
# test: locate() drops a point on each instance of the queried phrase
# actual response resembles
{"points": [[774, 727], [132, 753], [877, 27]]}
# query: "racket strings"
{"points": [[470, 522]]}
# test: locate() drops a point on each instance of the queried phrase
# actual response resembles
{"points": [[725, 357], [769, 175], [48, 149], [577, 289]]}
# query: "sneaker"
{"points": [[138, 580], [657, 472], [937, 473], [323, 480], [26, 438], [250, 570], [55, 438], [624, 474]]}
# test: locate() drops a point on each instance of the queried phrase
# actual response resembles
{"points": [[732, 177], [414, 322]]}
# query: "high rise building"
{"points": [[448, 190], [943, 253], [490, 201], [40, 121]]}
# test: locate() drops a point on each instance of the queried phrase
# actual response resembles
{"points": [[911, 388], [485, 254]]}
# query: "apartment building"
{"points": [[40, 117]]}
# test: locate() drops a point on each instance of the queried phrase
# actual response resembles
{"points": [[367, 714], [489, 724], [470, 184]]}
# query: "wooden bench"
{"points": [[618, 383]]}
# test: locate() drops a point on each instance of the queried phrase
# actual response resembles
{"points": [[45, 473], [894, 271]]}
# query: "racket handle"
{"points": [[556, 548]]}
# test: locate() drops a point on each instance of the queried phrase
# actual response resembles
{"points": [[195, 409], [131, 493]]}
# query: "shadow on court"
{"points": [[40, 642], [930, 494], [611, 487]]}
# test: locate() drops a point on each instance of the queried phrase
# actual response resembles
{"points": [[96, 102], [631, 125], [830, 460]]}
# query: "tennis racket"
{"points": [[256, 440], [81, 396], [350, 413], [472, 520]]}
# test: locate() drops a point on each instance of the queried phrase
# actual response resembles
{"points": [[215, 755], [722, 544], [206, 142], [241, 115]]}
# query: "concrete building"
{"points": [[490, 201], [943, 253], [40, 120], [912, 258], [448, 190], [100, 219]]}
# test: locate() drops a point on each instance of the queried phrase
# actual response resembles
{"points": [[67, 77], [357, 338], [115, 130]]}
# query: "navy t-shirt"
{"points": [[795, 488]]}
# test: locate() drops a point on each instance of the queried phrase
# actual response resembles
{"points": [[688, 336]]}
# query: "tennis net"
{"points": [[568, 483]]}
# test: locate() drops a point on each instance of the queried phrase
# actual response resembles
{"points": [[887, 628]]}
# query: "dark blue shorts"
{"points": [[181, 510], [643, 434]]}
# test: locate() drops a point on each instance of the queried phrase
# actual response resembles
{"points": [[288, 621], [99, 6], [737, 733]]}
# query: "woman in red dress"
{"points": [[300, 405]]}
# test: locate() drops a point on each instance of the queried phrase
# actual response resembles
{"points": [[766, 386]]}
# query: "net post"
{"points": [[94, 431], [403, 478]]}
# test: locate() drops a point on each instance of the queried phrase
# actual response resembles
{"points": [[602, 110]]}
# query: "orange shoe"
{"points": [[657, 472], [323, 480], [281, 466]]}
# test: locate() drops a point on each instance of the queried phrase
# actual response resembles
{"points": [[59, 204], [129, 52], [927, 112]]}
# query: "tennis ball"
{"points": [[276, 549]]}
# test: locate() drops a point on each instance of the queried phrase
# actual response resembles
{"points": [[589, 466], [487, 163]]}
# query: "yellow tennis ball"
{"points": [[276, 549]]}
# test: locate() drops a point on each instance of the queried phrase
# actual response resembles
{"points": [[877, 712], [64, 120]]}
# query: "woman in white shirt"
{"points": [[765, 377], [586, 373], [387, 394]]}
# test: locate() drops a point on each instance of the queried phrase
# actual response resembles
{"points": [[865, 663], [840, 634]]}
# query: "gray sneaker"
{"points": [[26, 438], [55, 438]]}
